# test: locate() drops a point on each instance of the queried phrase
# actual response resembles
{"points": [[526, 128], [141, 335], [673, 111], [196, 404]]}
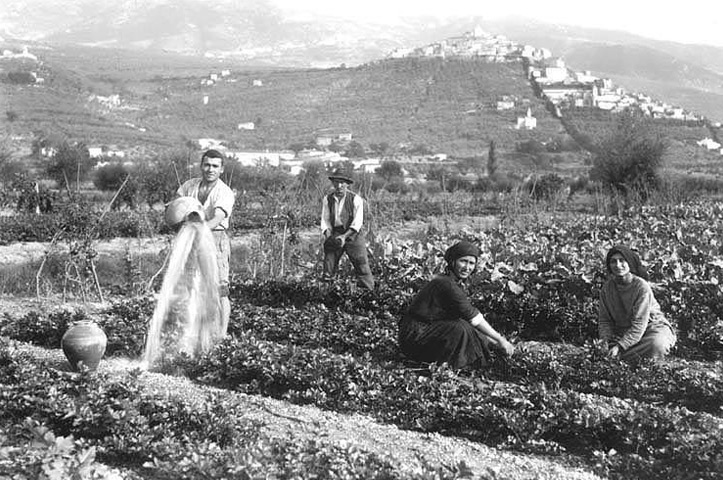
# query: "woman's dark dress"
{"points": [[437, 328]]}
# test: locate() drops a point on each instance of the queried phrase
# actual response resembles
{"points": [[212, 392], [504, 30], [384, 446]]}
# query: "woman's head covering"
{"points": [[636, 266], [461, 249]]}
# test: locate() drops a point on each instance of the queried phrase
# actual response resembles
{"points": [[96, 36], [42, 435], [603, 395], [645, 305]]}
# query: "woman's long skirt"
{"points": [[455, 342]]}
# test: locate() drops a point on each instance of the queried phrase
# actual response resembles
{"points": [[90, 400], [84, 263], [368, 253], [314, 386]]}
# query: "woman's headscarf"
{"points": [[636, 266], [461, 249]]}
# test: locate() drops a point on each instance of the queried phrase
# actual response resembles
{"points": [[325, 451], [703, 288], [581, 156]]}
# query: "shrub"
{"points": [[546, 187], [110, 177], [71, 163], [627, 161]]}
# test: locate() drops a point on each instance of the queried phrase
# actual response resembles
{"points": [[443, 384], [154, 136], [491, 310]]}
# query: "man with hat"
{"points": [[342, 218]]}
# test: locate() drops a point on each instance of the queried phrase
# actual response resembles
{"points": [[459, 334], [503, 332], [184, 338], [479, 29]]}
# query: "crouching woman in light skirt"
{"points": [[630, 319]]}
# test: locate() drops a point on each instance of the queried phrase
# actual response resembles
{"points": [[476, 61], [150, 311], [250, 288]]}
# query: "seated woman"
{"points": [[630, 319], [441, 325]]}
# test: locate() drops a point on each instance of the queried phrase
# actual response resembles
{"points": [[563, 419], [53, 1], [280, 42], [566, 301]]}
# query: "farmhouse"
{"points": [[527, 122], [327, 136], [293, 166], [563, 92], [709, 143], [259, 159], [206, 143], [505, 103], [368, 165], [555, 71]]}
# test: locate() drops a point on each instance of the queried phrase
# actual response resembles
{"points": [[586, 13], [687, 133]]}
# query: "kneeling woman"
{"points": [[630, 319], [441, 325]]}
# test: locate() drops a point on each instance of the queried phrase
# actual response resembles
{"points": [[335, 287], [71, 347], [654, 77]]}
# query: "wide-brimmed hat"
{"points": [[340, 175]]}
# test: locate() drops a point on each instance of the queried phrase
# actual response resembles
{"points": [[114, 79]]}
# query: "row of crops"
{"points": [[335, 347]]}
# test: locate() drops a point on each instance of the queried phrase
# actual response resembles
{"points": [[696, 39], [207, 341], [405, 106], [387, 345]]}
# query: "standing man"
{"points": [[342, 217], [217, 200]]}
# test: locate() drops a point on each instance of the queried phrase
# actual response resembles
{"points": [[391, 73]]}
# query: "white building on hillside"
{"points": [[528, 122], [259, 159], [709, 143]]}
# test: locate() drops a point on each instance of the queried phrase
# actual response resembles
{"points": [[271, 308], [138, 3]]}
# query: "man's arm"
{"points": [[358, 220], [325, 224], [222, 201], [218, 216]]}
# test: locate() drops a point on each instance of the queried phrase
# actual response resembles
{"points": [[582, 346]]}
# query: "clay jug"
{"points": [[180, 209], [84, 342]]}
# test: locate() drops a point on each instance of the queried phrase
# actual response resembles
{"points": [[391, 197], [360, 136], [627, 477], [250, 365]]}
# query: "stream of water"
{"points": [[187, 318]]}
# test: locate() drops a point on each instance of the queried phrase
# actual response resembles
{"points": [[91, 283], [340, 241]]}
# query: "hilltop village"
{"points": [[558, 83]]}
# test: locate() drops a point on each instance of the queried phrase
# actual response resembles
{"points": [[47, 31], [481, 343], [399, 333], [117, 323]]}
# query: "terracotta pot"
{"points": [[84, 343]]}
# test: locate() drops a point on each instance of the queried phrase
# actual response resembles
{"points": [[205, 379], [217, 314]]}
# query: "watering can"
{"points": [[182, 209]]}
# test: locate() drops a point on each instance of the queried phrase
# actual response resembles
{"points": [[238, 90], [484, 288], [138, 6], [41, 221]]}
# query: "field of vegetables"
{"points": [[334, 347]]}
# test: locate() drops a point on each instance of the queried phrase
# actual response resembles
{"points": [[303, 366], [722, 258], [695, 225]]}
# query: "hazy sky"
{"points": [[687, 21]]}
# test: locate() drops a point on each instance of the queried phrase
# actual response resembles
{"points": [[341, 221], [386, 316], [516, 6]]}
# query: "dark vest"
{"points": [[348, 209]]}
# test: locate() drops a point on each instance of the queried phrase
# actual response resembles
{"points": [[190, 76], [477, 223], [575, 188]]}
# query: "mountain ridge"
{"points": [[259, 33]]}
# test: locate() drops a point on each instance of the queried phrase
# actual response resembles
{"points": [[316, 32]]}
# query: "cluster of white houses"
{"points": [[291, 161], [478, 44], [567, 88], [562, 86]]}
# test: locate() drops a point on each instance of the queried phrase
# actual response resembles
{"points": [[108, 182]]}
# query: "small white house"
{"points": [[368, 165], [505, 104], [48, 151], [709, 143], [527, 122], [246, 126]]}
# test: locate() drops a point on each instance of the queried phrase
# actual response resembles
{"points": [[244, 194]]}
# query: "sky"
{"points": [[685, 21]]}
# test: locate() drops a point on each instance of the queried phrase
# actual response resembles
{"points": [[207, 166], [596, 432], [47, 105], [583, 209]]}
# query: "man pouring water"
{"points": [[217, 200]]}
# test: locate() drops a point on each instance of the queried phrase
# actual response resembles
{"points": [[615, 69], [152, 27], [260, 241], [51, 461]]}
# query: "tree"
{"points": [[112, 177], [313, 177], [296, 147], [158, 179], [492, 159], [628, 160], [389, 169], [71, 163], [336, 147], [419, 149], [380, 148], [355, 150]]}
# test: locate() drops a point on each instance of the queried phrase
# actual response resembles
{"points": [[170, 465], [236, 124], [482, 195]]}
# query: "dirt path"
{"points": [[408, 449]]}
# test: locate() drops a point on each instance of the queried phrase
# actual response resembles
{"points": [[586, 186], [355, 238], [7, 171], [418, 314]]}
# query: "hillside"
{"points": [[147, 104], [447, 105]]}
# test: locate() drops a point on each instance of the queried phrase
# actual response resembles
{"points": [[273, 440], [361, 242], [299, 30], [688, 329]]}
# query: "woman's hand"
{"points": [[506, 347], [614, 352]]}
